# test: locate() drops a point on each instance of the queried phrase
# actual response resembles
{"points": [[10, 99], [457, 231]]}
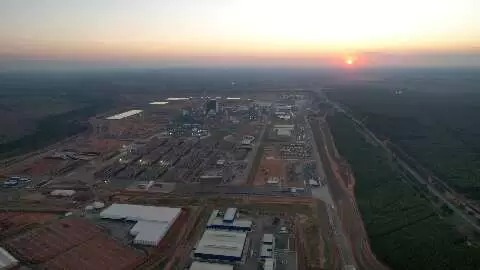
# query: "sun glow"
{"points": [[350, 61]]}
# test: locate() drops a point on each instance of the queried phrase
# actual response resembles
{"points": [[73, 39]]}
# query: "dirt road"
{"points": [[343, 197]]}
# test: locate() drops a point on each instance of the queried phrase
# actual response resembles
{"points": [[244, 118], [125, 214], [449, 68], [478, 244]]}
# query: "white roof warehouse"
{"points": [[153, 222], [124, 115], [221, 245]]}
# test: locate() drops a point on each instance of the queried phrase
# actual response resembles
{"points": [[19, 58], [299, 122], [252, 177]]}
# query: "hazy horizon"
{"points": [[305, 33]]}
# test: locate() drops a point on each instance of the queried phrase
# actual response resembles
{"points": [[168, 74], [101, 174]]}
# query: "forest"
{"points": [[406, 231], [38, 111], [439, 129]]}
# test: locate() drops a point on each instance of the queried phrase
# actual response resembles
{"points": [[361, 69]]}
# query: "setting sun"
{"points": [[350, 61]]}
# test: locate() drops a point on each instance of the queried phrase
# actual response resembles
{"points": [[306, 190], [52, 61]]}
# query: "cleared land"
{"points": [[101, 252], [343, 196], [42, 244], [270, 168]]}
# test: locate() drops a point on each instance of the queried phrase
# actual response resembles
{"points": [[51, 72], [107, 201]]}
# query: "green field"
{"points": [[404, 228]]}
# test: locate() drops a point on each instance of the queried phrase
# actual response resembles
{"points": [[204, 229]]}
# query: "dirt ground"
{"points": [[270, 167], [43, 167], [342, 183]]}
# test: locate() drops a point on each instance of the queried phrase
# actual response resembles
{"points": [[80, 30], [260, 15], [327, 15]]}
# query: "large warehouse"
{"points": [[124, 115], [221, 245], [153, 222]]}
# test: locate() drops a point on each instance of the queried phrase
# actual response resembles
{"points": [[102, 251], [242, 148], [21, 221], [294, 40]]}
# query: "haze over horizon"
{"points": [[123, 33]]}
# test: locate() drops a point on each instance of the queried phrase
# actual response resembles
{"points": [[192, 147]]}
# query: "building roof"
{"points": [[6, 260], [140, 212], [284, 132], [149, 232], [284, 126], [177, 98], [266, 251], [214, 220], [124, 114], [210, 266], [62, 192], [230, 214], [269, 264], [267, 238], [222, 243], [153, 222], [263, 103], [313, 182]]}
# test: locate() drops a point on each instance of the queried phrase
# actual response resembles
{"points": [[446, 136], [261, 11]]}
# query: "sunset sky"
{"points": [[236, 32]]}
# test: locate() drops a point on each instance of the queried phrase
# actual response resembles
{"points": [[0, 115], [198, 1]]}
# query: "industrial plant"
{"points": [[187, 182]]}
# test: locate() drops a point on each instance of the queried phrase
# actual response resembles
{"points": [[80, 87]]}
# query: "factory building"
{"points": [[153, 222], [211, 106], [247, 139], [221, 245], [229, 221], [159, 103], [268, 244], [266, 251], [124, 115], [230, 215], [283, 130], [210, 266], [268, 239], [269, 264], [7, 261]]}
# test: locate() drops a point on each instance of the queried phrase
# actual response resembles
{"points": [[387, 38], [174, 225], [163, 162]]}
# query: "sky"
{"points": [[240, 32]]}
